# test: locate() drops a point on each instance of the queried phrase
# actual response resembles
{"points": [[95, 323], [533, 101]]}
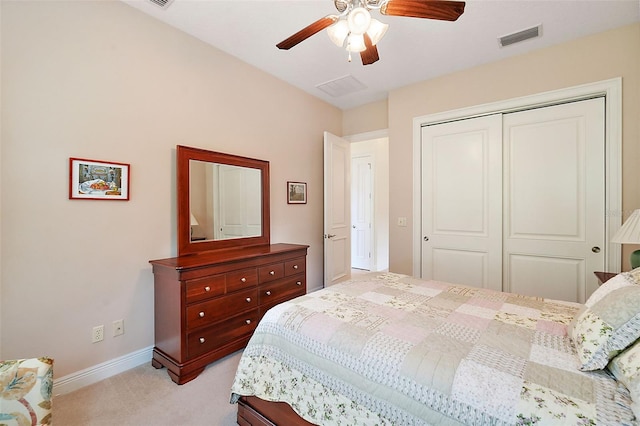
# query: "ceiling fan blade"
{"points": [[307, 32], [370, 55], [444, 10]]}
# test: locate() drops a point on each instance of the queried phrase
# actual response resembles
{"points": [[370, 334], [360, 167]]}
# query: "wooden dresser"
{"points": [[208, 304]]}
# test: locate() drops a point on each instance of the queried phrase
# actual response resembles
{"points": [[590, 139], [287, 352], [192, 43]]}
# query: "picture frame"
{"points": [[98, 180], [296, 193]]}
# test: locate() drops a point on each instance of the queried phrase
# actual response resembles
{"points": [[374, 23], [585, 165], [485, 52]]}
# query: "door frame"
{"points": [[611, 90], [376, 253]]}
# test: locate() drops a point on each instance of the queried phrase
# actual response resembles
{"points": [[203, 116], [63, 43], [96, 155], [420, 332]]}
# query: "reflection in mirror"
{"points": [[225, 201]]}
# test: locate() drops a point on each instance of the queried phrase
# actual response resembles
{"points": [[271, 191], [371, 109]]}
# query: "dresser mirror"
{"points": [[223, 201]]}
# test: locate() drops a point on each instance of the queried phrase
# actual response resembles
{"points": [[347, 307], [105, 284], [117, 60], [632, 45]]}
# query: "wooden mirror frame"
{"points": [[183, 155]]}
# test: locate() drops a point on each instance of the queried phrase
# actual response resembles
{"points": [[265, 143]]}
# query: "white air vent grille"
{"points": [[342, 86], [162, 3], [519, 36]]}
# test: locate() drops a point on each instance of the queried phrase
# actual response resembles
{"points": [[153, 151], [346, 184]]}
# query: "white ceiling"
{"points": [[412, 50]]}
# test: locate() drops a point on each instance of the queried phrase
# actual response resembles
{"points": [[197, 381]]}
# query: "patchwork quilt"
{"points": [[388, 349]]}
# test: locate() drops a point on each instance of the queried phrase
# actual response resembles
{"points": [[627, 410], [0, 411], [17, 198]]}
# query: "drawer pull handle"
{"points": [[202, 340], [295, 266], [268, 293], [298, 282], [248, 321], [207, 289], [272, 272], [201, 314], [248, 300], [243, 279]]}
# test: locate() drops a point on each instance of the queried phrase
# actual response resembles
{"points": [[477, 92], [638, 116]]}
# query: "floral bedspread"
{"points": [[389, 349]]}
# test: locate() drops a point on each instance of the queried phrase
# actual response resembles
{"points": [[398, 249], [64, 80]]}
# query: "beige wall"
{"points": [[600, 57], [101, 80], [367, 118]]}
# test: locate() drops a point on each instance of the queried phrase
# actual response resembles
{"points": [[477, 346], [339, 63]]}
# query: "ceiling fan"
{"points": [[357, 31]]}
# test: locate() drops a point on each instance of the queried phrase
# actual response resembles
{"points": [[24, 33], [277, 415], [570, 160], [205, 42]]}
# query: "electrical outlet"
{"points": [[98, 334], [118, 328]]}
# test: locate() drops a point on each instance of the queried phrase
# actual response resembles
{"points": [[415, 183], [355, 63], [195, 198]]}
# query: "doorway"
{"points": [[337, 202], [370, 204]]}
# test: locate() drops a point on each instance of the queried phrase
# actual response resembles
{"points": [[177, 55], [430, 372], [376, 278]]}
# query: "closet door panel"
{"points": [[554, 200], [462, 202]]}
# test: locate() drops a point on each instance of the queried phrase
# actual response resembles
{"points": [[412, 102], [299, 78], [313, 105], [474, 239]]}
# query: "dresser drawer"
{"points": [[295, 266], [220, 308], [271, 272], [272, 294], [205, 340], [244, 278], [204, 288]]}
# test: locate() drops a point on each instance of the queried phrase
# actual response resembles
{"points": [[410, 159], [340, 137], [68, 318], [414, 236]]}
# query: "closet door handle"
{"points": [[595, 249]]}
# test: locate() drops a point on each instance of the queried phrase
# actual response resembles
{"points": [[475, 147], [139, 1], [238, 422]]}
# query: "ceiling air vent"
{"points": [[519, 36], [342, 86], [162, 3]]}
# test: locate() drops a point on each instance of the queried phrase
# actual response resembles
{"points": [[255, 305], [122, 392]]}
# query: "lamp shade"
{"points": [[376, 31], [629, 232], [355, 43], [193, 220], [358, 20], [338, 32]]}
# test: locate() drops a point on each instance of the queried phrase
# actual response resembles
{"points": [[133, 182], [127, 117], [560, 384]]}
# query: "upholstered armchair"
{"points": [[25, 391]]}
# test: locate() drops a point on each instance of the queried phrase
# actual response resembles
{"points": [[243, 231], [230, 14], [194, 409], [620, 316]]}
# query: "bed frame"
{"points": [[253, 411]]}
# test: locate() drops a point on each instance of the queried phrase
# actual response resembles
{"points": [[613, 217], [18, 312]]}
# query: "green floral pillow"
{"points": [[25, 391], [626, 369], [608, 323]]}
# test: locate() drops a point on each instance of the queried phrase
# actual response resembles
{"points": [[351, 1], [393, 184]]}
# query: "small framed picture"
{"points": [[296, 192], [98, 180]]}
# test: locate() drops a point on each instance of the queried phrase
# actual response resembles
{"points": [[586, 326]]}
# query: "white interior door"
{"points": [[337, 209], [554, 224], [361, 217], [462, 202]]}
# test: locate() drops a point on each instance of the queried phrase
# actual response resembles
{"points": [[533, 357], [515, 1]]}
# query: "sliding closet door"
{"points": [[462, 202], [554, 200], [516, 202]]}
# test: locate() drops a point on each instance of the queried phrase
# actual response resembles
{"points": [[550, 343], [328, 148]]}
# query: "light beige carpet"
{"points": [[146, 396]]}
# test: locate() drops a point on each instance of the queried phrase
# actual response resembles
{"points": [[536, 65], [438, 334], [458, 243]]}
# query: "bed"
{"points": [[389, 349]]}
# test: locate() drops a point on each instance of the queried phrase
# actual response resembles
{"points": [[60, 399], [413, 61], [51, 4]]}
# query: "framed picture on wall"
{"points": [[296, 192], [98, 180]]}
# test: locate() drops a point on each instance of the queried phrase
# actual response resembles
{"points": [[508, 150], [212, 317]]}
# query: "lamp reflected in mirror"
{"points": [[196, 231]]}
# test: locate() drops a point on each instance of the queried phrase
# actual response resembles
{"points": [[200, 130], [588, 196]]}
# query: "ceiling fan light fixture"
{"points": [[376, 31], [355, 43], [338, 32], [359, 19]]}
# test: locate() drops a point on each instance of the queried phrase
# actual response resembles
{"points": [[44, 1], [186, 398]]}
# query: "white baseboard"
{"points": [[102, 371]]}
